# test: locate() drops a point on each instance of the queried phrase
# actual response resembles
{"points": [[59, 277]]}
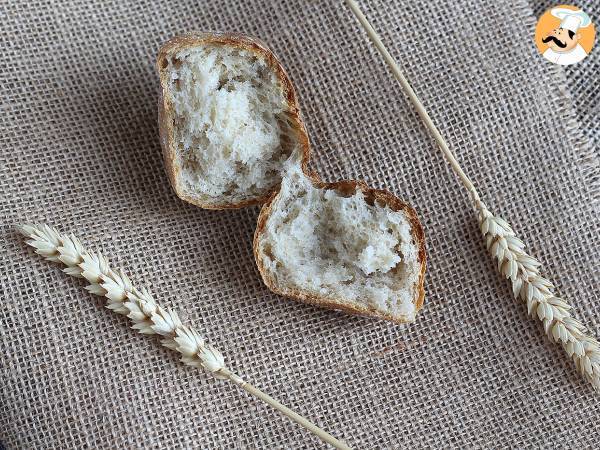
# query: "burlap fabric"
{"points": [[582, 84], [80, 150]]}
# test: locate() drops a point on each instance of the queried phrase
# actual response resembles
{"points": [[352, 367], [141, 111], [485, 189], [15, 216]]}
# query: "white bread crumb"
{"points": [[340, 248], [231, 133], [229, 113]]}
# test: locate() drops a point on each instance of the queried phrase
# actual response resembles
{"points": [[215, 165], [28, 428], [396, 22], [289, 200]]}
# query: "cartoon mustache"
{"points": [[561, 44]]}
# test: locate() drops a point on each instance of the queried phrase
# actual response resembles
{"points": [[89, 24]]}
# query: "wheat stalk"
{"points": [[145, 314], [513, 262]]}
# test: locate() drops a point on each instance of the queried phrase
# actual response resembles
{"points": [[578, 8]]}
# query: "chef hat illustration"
{"points": [[570, 19]]}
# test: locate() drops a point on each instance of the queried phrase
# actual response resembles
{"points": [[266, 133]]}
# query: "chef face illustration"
{"points": [[562, 43], [562, 40]]}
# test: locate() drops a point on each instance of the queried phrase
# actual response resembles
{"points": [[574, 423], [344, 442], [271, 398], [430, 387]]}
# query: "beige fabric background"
{"points": [[582, 84], [80, 151]]}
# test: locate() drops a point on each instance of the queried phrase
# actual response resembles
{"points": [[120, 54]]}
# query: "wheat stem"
{"points": [[284, 409], [145, 314], [513, 262]]}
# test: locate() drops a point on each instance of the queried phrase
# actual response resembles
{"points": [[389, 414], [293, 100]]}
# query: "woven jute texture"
{"points": [[582, 81], [80, 150]]}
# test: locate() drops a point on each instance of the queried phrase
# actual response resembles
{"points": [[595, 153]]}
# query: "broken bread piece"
{"points": [[342, 245], [229, 119], [232, 136]]}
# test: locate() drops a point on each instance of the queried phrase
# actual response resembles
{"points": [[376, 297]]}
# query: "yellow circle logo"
{"points": [[565, 35]]}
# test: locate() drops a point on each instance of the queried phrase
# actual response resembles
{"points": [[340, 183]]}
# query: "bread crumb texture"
{"points": [[231, 128], [338, 246]]}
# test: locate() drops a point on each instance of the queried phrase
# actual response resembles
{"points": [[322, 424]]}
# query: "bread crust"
{"points": [[371, 195], [166, 131], [165, 107]]}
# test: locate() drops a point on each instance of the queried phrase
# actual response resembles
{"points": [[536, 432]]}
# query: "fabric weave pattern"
{"points": [[80, 151]]}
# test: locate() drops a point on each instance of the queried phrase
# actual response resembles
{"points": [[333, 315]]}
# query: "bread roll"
{"points": [[232, 136], [344, 246], [229, 119]]}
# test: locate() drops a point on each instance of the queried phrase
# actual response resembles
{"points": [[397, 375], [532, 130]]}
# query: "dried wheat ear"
{"points": [[538, 293], [123, 298], [146, 315], [513, 262]]}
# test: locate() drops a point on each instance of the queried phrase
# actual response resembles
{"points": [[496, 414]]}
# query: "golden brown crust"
{"points": [[241, 41], [166, 136], [380, 196]]}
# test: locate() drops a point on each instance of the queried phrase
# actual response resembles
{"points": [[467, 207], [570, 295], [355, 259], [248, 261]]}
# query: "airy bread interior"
{"points": [[232, 136], [231, 129], [340, 247]]}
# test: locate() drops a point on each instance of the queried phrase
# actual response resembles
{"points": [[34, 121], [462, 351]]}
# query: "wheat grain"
{"points": [[147, 316], [123, 298], [538, 293]]}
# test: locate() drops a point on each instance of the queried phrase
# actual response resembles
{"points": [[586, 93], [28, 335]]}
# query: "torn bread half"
{"points": [[342, 245], [229, 119]]}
